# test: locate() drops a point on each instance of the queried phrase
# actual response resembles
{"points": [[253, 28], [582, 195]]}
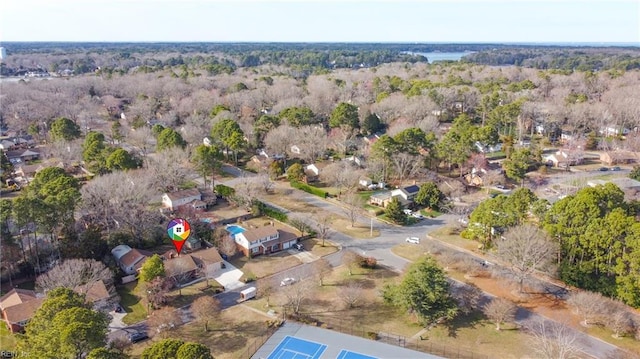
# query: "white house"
{"points": [[181, 198], [206, 141], [129, 260], [355, 159], [406, 193], [264, 240]]}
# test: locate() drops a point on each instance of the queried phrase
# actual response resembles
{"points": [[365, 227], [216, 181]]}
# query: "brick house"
{"points": [[18, 306], [264, 240]]}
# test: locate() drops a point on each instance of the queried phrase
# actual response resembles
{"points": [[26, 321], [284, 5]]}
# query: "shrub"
{"points": [[224, 191], [372, 335], [368, 262], [248, 277]]}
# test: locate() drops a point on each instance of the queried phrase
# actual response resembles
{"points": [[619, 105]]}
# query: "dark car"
{"points": [[138, 337], [616, 168], [603, 169], [299, 247], [118, 309]]}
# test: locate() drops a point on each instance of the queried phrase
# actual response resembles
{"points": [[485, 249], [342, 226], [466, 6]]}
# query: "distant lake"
{"points": [[441, 56]]}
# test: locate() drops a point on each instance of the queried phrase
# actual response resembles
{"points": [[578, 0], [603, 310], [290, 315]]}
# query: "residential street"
{"points": [[380, 248]]}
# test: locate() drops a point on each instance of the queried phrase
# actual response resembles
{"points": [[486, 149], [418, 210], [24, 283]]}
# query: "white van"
{"points": [[248, 294]]}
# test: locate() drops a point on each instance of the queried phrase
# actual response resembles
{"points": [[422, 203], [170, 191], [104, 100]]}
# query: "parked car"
{"points": [[408, 212], [138, 337], [414, 240], [287, 281], [616, 168], [118, 309], [603, 169], [299, 247], [499, 186], [417, 215]]}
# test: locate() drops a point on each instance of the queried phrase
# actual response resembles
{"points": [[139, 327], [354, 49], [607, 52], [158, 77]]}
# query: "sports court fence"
{"points": [[422, 344], [254, 345]]}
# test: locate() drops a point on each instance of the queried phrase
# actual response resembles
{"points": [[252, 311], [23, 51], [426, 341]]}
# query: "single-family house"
{"points": [[614, 131], [18, 306], [180, 269], [128, 259], [406, 193], [483, 148], [564, 158], [98, 293], [618, 157], [358, 160], [312, 171], [371, 139], [365, 182], [380, 198], [264, 240], [19, 156], [208, 260], [8, 145], [176, 199]]}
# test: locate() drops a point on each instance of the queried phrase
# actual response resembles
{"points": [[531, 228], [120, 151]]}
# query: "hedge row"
{"points": [[309, 189], [272, 212]]}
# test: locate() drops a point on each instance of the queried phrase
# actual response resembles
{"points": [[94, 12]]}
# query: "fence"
{"points": [[418, 344], [254, 345]]}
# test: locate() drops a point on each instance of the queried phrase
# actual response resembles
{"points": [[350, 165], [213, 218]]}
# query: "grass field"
{"points": [[132, 303], [263, 266], [7, 340], [229, 337]]}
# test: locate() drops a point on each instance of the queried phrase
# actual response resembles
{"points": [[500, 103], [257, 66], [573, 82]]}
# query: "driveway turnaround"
{"points": [[229, 277]]}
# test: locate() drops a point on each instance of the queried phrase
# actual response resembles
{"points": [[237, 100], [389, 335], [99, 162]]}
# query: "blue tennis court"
{"points": [[294, 348], [345, 354]]}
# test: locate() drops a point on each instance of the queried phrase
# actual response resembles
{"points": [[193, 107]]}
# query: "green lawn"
{"points": [[132, 303], [7, 339]]}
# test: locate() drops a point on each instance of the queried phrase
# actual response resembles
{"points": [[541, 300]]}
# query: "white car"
{"points": [[407, 212], [287, 281], [414, 240], [417, 215]]}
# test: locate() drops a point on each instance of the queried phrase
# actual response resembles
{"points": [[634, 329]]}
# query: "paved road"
{"points": [[379, 247]]}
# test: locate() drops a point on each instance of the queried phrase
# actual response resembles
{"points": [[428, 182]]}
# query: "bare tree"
{"points": [[553, 340], [468, 295], [279, 140], [353, 205], [179, 271], [165, 320], [206, 308], [169, 169], [350, 259], [589, 305], [406, 165], [342, 174], [351, 293], [80, 274], [296, 294], [312, 141], [157, 291], [247, 190], [322, 226], [143, 139], [227, 246], [527, 249], [620, 323], [321, 268], [500, 310], [266, 288], [264, 182], [301, 222]]}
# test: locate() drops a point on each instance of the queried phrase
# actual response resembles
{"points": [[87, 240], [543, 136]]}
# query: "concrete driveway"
{"points": [[229, 277]]}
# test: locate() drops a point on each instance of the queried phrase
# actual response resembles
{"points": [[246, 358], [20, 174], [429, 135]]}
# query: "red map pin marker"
{"points": [[178, 230]]}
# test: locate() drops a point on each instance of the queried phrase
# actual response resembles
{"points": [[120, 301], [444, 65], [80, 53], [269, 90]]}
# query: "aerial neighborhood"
{"points": [[485, 205]]}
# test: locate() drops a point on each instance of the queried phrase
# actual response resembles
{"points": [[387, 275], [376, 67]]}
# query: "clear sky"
{"points": [[321, 21]]}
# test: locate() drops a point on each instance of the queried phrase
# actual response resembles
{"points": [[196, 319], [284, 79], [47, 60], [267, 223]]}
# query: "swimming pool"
{"points": [[234, 229]]}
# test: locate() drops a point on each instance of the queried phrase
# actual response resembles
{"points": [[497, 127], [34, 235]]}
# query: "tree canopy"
{"points": [[424, 290], [153, 267], [63, 128]]}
